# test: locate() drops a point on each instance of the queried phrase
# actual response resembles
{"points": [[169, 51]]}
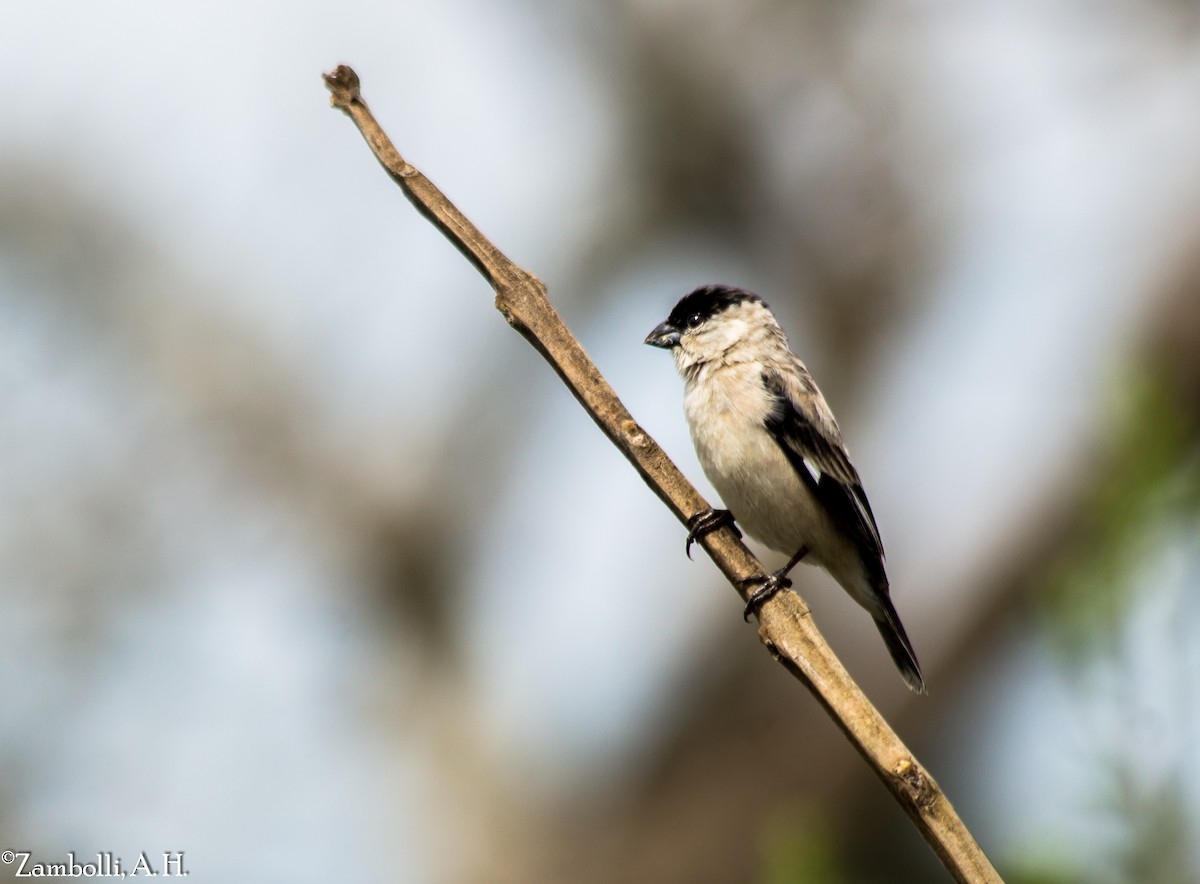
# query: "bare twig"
{"points": [[785, 625]]}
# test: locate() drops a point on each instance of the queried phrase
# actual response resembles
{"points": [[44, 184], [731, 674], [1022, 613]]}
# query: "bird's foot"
{"points": [[771, 585], [705, 521], [767, 588]]}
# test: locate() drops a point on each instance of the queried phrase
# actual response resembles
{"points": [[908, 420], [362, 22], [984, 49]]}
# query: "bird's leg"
{"points": [[705, 521], [771, 585]]}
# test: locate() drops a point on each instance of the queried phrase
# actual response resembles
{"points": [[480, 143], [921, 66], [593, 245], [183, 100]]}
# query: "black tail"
{"points": [[898, 645]]}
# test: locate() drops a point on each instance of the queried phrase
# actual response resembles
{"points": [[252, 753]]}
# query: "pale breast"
{"points": [[726, 412]]}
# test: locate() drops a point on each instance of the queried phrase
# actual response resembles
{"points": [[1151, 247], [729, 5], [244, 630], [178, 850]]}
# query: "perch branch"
{"points": [[785, 627]]}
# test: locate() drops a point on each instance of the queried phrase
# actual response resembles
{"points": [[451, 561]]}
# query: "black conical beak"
{"points": [[664, 335]]}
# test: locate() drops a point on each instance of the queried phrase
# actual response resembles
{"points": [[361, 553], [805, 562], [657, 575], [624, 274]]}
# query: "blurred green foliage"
{"points": [[1146, 501], [800, 848], [1159, 831], [1150, 484]]}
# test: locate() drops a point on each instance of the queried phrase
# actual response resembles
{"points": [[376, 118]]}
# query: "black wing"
{"points": [[804, 427]]}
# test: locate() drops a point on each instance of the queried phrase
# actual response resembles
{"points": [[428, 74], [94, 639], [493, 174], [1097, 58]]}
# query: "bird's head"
{"points": [[710, 323]]}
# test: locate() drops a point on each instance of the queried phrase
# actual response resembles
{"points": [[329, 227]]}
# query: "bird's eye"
{"points": [[693, 320]]}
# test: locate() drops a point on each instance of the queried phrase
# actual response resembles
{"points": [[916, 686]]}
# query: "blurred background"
{"points": [[310, 568]]}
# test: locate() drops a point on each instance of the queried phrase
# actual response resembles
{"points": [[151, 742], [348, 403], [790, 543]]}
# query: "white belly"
{"points": [[757, 481]]}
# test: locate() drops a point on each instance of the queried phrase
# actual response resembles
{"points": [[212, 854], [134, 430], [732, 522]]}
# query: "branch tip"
{"points": [[343, 86]]}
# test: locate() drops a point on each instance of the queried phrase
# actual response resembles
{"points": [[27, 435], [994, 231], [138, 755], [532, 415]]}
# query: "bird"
{"points": [[772, 449]]}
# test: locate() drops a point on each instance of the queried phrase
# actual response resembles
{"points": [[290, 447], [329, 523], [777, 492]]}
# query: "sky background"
{"points": [[309, 567]]}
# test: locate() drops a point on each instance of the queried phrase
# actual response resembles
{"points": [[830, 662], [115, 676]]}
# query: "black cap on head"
{"points": [[694, 308], [707, 301]]}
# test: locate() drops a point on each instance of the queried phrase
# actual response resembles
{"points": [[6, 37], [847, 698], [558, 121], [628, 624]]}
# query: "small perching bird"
{"points": [[771, 447]]}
